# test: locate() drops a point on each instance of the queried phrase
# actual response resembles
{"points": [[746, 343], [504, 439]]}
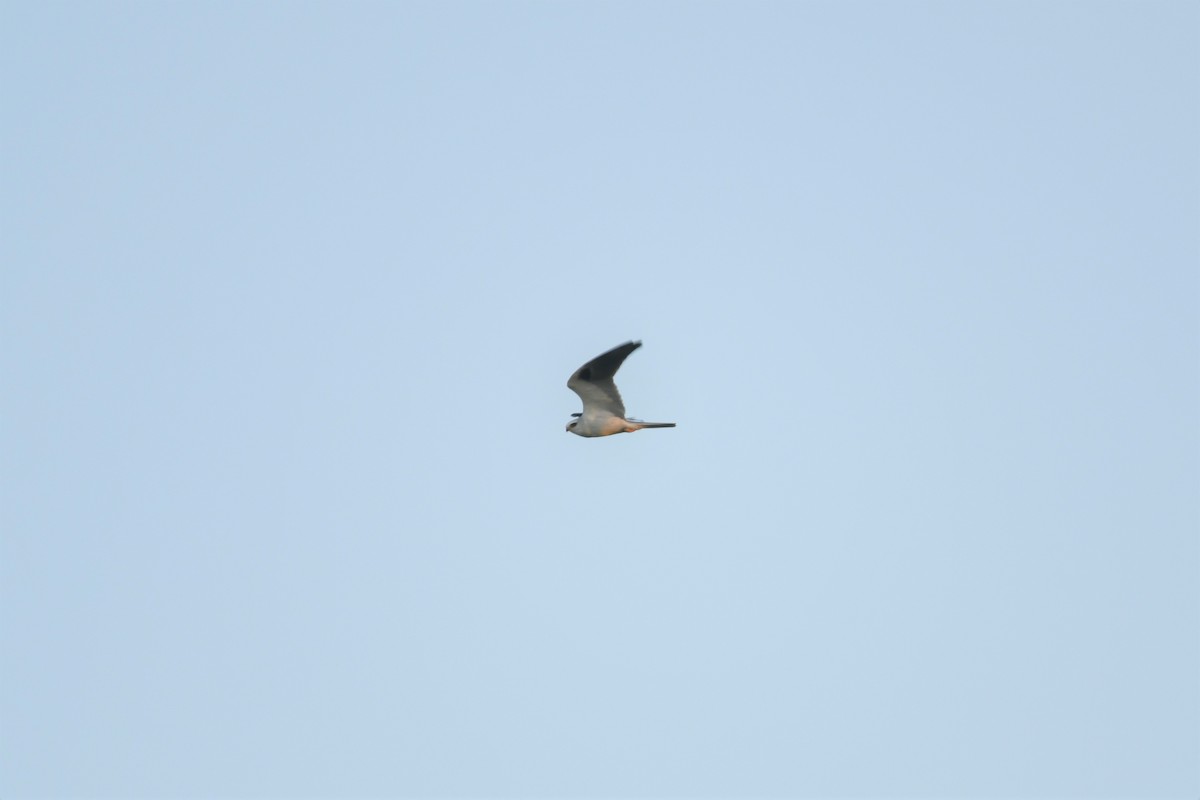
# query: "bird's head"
{"points": [[574, 421]]}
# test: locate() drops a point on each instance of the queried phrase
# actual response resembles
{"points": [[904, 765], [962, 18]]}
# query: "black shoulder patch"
{"points": [[585, 374]]}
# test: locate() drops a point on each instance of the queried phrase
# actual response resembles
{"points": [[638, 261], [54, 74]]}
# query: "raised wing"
{"points": [[593, 382]]}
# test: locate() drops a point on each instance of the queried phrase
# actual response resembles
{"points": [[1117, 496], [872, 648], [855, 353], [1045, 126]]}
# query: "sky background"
{"points": [[290, 294]]}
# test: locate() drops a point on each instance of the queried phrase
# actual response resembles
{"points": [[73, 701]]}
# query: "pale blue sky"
{"points": [[290, 294]]}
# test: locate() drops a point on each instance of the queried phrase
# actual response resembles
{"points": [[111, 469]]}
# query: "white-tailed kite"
{"points": [[603, 412]]}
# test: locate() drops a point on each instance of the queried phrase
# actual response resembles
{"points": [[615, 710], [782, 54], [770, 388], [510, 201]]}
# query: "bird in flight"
{"points": [[603, 412]]}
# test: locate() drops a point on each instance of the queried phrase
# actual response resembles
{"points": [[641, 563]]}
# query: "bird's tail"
{"points": [[635, 425]]}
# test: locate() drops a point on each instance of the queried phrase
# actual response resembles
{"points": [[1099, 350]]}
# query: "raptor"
{"points": [[603, 411]]}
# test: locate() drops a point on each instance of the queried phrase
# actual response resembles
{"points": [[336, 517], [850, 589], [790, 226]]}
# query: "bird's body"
{"points": [[603, 410]]}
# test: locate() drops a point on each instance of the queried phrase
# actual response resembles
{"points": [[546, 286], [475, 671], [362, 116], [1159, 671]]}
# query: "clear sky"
{"points": [[289, 296]]}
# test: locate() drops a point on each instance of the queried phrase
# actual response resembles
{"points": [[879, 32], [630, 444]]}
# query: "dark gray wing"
{"points": [[593, 382]]}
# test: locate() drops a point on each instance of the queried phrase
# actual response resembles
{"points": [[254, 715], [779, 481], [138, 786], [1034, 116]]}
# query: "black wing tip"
{"points": [[627, 347], [607, 363]]}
